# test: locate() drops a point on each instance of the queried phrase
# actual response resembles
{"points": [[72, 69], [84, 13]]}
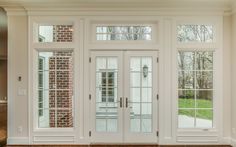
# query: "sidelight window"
{"points": [[195, 89], [55, 89]]}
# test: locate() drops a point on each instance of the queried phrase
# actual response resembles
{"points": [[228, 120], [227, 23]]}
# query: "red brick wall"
{"points": [[62, 33], [61, 85]]}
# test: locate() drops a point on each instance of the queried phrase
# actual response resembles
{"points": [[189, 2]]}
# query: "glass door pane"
{"points": [[140, 94], [106, 94]]}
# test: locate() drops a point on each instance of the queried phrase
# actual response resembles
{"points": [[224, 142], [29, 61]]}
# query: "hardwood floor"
{"points": [[118, 146], [3, 124]]}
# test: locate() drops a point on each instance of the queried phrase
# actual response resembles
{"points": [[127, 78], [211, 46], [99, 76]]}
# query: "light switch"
{"points": [[21, 92]]}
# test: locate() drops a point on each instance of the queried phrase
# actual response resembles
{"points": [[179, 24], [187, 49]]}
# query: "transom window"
{"points": [[123, 33], [55, 33], [195, 33]]}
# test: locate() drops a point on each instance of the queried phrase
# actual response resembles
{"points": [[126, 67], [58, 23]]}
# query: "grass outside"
{"points": [[200, 103]]}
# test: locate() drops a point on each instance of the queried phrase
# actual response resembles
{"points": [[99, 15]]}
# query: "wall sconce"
{"points": [[145, 71]]}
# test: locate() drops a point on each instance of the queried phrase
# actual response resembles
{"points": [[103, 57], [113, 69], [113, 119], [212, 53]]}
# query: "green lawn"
{"points": [[200, 103]]}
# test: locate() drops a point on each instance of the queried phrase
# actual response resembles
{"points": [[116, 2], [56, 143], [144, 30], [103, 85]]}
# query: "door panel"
{"points": [[106, 113], [140, 92]]}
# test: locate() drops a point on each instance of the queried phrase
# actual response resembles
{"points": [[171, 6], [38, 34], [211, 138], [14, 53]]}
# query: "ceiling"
{"points": [[224, 5]]}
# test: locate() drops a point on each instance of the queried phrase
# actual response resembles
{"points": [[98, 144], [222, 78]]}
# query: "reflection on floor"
{"points": [[3, 123]]}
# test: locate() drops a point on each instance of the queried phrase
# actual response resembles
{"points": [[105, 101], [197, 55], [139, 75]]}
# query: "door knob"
{"points": [[126, 100], [120, 102]]}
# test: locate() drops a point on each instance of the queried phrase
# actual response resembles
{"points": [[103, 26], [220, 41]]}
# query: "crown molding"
{"points": [[234, 8], [15, 10], [34, 7]]}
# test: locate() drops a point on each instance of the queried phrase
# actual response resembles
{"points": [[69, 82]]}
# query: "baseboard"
{"points": [[18, 140], [233, 142], [226, 140]]}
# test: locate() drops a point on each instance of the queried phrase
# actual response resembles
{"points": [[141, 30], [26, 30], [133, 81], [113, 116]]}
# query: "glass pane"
{"points": [[135, 123], [147, 79], [64, 99], [135, 119], [204, 98], [135, 79], [48, 60], [146, 125], [44, 120], [146, 110], [55, 33], [146, 94], [186, 80], [64, 79], [123, 33], [41, 80], [101, 125], [135, 64], [204, 60], [186, 60], [64, 63], [204, 80], [204, 119], [112, 63], [186, 118], [195, 33], [112, 125], [56, 88], [135, 95], [101, 63], [147, 61], [186, 99], [135, 109], [106, 94], [64, 118]]}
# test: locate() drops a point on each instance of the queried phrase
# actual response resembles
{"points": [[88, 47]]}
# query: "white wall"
{"points": [[233, 78], [17, 66], [227, 76]]}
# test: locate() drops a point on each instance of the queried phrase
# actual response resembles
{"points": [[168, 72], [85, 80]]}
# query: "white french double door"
{"points": [[124, 101]]}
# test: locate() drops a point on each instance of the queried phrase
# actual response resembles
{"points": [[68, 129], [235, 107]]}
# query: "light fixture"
{"points": [[145, 71]]}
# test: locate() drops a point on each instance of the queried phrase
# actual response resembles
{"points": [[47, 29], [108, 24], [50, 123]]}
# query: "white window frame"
{"points": [[196, 134], [42, 135]]}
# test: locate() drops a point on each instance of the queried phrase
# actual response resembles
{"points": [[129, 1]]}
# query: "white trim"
{"points": [[226, 140], [17, 140], [233, 142], [15, 11]]}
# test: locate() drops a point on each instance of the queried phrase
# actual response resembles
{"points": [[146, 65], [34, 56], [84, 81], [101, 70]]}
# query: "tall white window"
{"points": [[195, 77], [55, 89], [195, 89]]}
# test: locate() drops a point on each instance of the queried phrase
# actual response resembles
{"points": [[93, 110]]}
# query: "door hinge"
{"points": [[90, 96], [90, 59], [90, 133], [157, 133], [157, 96], [157, 59]]}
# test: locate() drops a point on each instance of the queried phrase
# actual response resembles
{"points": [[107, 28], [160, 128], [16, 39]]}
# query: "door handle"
{"points": [[126, 102], [120, 102]]}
